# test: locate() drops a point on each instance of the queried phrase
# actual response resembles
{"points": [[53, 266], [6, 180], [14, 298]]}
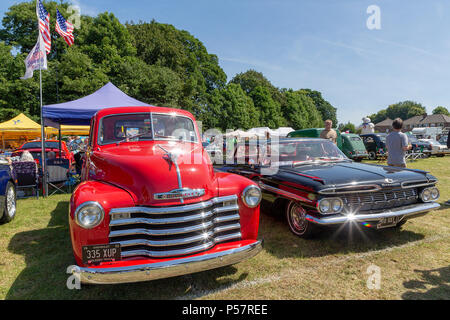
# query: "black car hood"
{"points": [[347, 173]]}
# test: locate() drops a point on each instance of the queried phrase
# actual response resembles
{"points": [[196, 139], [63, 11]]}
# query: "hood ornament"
{"points": [[180, 193]]}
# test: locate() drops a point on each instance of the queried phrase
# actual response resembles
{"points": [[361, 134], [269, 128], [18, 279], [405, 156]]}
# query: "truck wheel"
{"points": [[9, 211], [372, 155], [296, 218]]}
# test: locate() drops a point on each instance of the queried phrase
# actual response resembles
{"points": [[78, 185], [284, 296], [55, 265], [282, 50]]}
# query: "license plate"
{"points": [[101, 253], [389, 222]]}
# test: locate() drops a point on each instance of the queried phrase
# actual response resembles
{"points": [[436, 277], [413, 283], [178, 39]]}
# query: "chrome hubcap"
{"points": [[11, 202], [298, 217]]}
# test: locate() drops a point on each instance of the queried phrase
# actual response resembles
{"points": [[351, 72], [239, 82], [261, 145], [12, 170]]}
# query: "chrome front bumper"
{"points": [[167, 269], [406, 212]]}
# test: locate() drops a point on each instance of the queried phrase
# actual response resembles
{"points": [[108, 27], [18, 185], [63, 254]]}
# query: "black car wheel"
{"points": [[9, 211], [296, 218], [372, 155]]}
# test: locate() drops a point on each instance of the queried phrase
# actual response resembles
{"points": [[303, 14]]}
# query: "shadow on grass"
{"points": [[435, 285], [281, 243], [48, 254]]}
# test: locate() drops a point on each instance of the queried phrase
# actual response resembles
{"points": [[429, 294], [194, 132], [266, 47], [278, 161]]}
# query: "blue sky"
{"points": [[324, 45]]}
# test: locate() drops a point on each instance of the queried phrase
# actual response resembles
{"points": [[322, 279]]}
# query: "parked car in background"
{"points": [[315, 185], [353, 147], [215, 151], [51, 148], [150, 204], [419, 146], [443, 140], [375, 144], [7, 193], [435, 147]]}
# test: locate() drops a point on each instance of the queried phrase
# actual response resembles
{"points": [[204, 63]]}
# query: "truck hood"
{"points": [[145, 170], [349, 173]]}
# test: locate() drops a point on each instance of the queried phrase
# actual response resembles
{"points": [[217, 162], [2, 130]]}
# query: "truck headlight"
{"points": [[251, 196], [330, 205], [89, 214]]}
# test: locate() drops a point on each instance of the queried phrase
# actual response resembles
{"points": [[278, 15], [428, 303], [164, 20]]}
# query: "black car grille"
{"points": [[161, 232], [380, 200]]}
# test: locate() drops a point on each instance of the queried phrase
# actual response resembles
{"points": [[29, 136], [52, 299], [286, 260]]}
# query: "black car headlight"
{"points": [[330, 205], [429, 194], [251, 196], [89, 214]]}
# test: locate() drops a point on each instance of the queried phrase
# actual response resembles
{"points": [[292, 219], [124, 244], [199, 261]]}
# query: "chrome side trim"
{"points": [[284, 193], [167, 269], [175, 209], [407, 212]]}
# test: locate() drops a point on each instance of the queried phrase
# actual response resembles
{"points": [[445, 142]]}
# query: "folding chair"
{"points": [[27, 176], [58, 174]]}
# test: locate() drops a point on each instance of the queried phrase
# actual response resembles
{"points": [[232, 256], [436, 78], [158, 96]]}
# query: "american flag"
{"points": [[64, 28], [44, 25]]}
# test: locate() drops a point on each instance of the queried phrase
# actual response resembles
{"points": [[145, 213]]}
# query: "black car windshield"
{"points": [[37, 145], [382, 137], [302, 152]]}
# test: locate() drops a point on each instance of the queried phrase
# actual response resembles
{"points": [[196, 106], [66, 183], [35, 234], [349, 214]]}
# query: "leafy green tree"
{"points": [[164, 46], [403, 110], [300, 111], [233, 109], [347, 127], [327, 111], [269, 110], [441, 110]]}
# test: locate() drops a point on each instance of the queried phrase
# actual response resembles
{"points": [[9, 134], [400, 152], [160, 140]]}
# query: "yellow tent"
{"points": [[19, 130], [74, 130]]}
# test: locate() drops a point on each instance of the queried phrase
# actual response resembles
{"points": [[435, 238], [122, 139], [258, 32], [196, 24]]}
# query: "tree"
{"points": [[347, 127], [230, 108], [327, 111], [300, 111], [403, 110], [441, 110], [269, 110], [164, 46]]}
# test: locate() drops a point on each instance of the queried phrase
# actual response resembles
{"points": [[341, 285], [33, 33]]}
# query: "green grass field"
{"points": [[35, 252]]}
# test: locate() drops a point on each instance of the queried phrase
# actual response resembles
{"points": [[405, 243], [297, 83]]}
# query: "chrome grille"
{"points": [[380, 200], [160, 232]]}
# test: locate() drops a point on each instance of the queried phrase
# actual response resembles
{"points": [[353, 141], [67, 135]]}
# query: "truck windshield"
{"points": [[138, 127]]}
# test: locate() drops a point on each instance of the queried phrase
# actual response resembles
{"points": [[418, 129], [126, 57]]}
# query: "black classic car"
{"points": [[314, 184]]}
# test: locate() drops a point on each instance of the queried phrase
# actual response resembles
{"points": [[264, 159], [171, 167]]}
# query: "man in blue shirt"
{"points": [[397, 145]]}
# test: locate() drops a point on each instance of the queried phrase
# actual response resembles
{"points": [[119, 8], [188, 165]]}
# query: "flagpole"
{"points": [[43, 154]]}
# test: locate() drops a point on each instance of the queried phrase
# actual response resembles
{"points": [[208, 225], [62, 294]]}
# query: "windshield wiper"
{"points": [[132, 137]]}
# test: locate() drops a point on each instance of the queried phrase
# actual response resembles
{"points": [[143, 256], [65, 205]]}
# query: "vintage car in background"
{"points": [[350, 144], [7, 192], [151, 206], [51, 146], [214, 150], [435, 147], [315, 185], [353, 147], [419, 146], [375, 144]]}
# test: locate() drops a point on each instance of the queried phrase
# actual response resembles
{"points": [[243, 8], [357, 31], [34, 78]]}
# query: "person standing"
{"points": [[397, 145], [329, 133]]}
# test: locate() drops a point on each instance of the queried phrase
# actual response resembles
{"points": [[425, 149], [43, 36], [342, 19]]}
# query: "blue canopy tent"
{"points": [[80, 111]]}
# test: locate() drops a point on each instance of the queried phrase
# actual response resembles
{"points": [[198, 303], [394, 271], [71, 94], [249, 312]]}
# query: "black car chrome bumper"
{"points": [[406, 212], [167, 269]]}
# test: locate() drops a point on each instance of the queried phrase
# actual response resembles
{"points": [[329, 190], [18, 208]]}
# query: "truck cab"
{"points": [[150, 204]]}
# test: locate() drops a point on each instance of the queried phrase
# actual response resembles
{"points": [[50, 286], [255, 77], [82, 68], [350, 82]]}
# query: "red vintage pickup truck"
{"points": [[150, 204]]}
